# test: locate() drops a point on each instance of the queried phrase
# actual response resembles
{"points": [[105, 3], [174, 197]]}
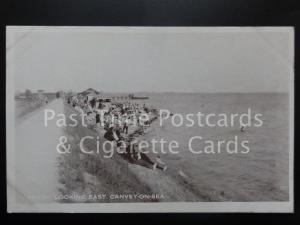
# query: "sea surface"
{"points": [[260, 175]]}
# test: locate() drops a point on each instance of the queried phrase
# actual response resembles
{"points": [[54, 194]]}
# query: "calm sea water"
{"points": [[260, 175]]}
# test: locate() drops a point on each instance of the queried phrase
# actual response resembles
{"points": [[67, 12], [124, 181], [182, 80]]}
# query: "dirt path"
{"points": [[36, 175]]}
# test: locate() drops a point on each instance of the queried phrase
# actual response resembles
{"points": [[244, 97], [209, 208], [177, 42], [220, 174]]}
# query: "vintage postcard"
{"points": [[150, 119]]}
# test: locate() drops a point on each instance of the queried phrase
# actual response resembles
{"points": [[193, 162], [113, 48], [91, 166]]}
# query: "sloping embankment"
{"points": [[94, 175]]}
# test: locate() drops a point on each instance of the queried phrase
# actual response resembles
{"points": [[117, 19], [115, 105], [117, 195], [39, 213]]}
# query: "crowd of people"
{"points": [[119, 122]]}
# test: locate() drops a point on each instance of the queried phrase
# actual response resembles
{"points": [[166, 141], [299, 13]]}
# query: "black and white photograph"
{"points": [[160, 119]]}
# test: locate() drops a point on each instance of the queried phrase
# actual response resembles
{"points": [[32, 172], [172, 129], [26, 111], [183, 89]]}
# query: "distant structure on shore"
{"points": [[92, 93], [131, 96]]}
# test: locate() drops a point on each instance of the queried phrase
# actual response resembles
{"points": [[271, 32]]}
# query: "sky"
{"points": [[150, 59]]}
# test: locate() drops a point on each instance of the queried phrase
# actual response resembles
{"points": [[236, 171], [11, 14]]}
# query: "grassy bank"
{"points": [[92, 174]]}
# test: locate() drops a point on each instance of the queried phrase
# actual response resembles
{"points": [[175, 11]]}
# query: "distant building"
{"points": [[42, 96], [92, 93]]}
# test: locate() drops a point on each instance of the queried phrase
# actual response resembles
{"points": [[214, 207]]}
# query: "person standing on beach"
{"points": [[98, 120], [125, 124]]}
